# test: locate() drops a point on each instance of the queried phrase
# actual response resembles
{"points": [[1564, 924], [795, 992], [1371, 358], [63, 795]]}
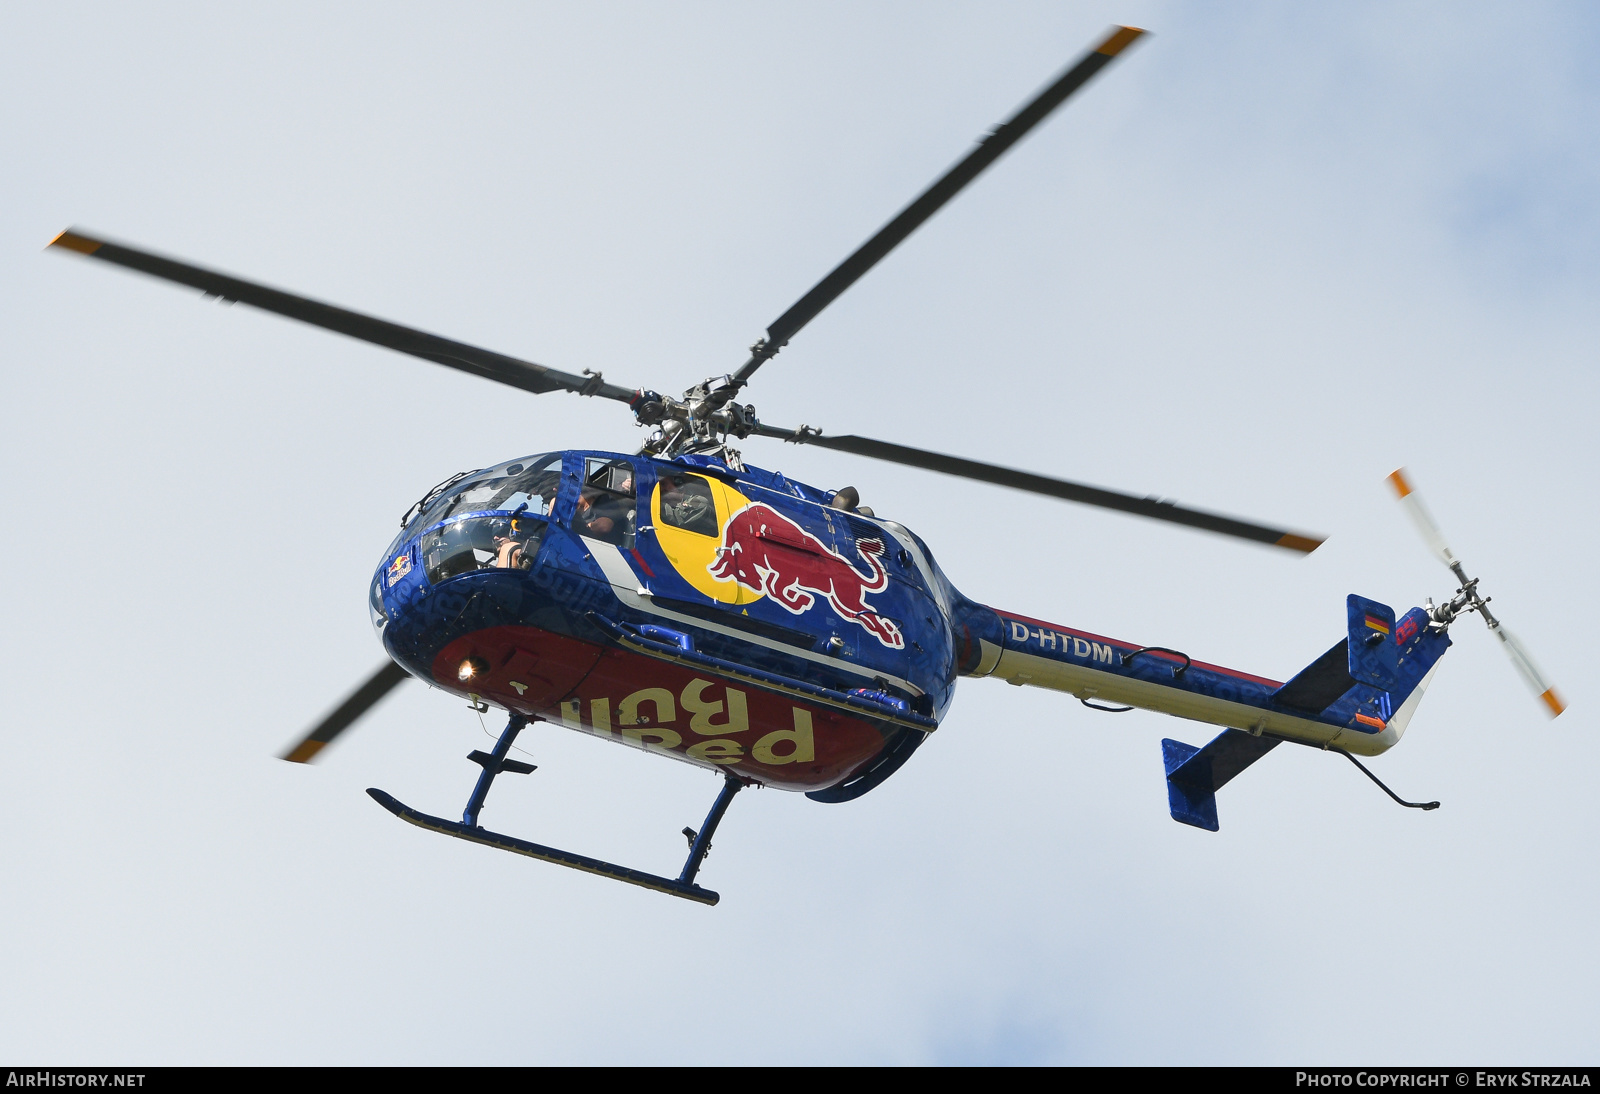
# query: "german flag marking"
{"points": [[304, 751], [1374, 623], [1120, 39], [81, 244], [1553, 701], [1304, 544], [1398, 480]]}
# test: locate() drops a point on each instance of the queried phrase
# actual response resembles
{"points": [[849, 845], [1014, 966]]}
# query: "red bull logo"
{"points": [[768, 553], [400, 567]]}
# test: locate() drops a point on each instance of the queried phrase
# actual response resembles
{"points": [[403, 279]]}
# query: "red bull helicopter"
{"points": [[682, 601]]}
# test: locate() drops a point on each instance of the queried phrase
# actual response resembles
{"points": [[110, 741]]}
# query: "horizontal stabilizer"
{"points": [[1194, 775]]}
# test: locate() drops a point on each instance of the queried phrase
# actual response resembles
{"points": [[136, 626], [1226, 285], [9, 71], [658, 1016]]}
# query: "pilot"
{"points": [[511, 554]]}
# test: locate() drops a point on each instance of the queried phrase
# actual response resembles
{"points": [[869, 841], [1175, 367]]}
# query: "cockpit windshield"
{"points": [[525, 487], [493, 519]]}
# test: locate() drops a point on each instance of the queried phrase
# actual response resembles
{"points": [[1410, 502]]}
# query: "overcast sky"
{"points": [[1271, 254]]}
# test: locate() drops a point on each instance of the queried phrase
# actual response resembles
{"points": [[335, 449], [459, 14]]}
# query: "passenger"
{"points": [[588, 519], [690, 509]]}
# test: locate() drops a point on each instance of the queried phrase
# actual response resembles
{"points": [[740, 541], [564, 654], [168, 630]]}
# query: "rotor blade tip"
{"points": [[1120, 39], [1304, 544], [74, 242], [1397, 479], [304, 752], [1553, 701]]}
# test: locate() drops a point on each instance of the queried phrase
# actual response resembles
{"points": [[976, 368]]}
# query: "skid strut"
{"points": [[494, 763]]}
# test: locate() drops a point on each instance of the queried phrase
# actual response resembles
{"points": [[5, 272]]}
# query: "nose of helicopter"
{"points": [[461, 606], [420, 609]]}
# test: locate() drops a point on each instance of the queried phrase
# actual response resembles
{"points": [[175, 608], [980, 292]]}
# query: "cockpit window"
{"points": [[481, 543], [606, 509]]}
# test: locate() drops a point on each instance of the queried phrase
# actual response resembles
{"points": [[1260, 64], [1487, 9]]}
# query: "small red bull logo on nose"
{"points": [[765, 551], [400, 567]]}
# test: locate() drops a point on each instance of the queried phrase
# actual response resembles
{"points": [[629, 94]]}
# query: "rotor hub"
{"points": [[701, 420]]}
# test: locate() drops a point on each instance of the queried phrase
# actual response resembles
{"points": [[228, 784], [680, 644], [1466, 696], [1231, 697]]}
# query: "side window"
{"points": [[605, 508], [686, 502]]}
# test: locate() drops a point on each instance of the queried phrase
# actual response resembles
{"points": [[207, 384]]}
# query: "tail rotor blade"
{"points": [[1530, 672], [1422, 518], [1469, 599], [363, 699]]}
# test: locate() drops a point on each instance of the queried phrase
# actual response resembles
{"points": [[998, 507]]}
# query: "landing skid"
{"points": [[468, 828]]}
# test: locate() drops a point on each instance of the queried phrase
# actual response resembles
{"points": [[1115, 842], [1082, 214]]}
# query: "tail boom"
{"points": [[1322, 706]]}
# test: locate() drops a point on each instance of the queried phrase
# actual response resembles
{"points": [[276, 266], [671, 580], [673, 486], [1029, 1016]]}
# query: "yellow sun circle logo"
{"points": [[692, 552]]}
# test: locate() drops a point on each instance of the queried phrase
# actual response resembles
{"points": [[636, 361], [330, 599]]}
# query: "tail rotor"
{"points": [[1468, 598]]}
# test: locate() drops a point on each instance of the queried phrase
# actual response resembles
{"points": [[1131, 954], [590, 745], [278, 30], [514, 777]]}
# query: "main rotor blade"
{"points": [[989, 149], [1431, 533], [442, 351], [363, 699], [1530, 672], [1055, 488]]}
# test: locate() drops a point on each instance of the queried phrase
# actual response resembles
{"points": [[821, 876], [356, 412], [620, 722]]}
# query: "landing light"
{"points": [[471, 669]]}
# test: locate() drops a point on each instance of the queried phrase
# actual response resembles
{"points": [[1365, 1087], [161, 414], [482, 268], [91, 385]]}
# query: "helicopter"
{"points": [[684, 602]]}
